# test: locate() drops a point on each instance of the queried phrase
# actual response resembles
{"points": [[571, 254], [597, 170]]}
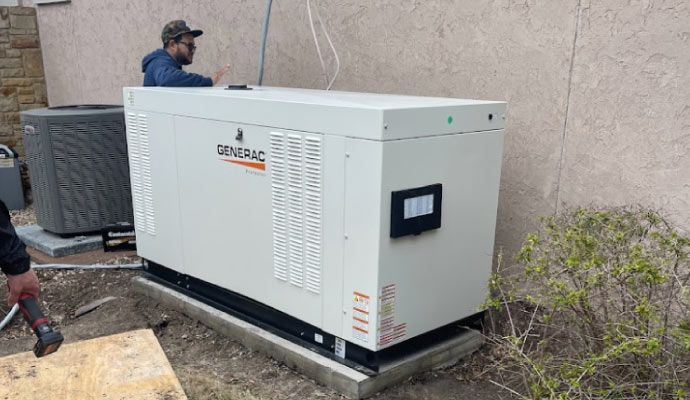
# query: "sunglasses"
{"points": [[190, 46]]}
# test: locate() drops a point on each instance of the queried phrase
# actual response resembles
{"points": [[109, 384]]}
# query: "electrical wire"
{"points": [[335, 54], [316, 42]]}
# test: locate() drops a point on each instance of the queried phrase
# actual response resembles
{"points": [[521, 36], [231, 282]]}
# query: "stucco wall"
{"points": [[628, 131], [597, 107]]}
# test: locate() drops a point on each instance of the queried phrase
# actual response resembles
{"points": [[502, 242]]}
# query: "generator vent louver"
{"points": [[296, 182], [77, 161], [312, 212], [140, 164]]}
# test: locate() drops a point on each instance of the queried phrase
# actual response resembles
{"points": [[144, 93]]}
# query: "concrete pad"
{"points": [[87, 258], [55, 246], [345, 380]]}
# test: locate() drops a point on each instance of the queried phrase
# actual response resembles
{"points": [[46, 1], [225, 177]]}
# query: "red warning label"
{"points": [[360, 316]]}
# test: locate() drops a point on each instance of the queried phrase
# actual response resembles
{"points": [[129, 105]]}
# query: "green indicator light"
{"points": [[450, 120]]}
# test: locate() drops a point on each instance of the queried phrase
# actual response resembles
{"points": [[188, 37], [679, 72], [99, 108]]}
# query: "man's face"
{"points": [[184, 50]]}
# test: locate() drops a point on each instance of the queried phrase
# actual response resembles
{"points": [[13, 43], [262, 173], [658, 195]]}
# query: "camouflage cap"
{"points": [[175, 28]]}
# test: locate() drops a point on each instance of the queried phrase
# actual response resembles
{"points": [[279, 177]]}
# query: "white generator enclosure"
{"points": [[369, 217]]}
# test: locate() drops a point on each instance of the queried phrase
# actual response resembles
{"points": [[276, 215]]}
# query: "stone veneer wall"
{"points": [[21, 74]]}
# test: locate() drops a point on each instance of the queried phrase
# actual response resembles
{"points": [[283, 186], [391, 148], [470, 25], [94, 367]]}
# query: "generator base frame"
{"points": [[299, 332]]}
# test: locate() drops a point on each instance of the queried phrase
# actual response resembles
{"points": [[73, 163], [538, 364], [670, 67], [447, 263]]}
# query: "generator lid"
{"points": [[74, 110], [359, 115]]}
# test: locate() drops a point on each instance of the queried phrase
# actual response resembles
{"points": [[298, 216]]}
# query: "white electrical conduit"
{"points": [[14, 309], [329, 83], [9, 316], [262, 48], [87, 266]]}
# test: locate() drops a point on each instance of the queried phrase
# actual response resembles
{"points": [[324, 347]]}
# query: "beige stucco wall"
{"points": [[609, 125], [628, 134]]}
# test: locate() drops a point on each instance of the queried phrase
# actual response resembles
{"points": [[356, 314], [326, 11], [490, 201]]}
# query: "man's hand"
{"points": [[22, 283], [219, 74]]}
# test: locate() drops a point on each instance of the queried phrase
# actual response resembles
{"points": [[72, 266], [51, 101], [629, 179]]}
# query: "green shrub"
{"points": [[597, 306]]}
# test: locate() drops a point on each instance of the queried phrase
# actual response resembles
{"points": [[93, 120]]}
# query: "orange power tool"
{"points": [[48, 339]]}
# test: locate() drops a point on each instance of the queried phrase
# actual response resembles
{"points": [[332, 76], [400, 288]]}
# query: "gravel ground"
{"points": [[209, 365], [23, 217]]}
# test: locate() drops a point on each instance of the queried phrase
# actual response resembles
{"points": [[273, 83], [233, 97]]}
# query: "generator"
{"points": [[358, 224]]}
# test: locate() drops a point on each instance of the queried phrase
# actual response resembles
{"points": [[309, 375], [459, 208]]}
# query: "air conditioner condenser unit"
{"points": [[354, 222], [77, 161]]}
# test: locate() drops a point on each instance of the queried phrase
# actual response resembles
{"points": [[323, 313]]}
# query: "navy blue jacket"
{"points": [[13, 257], [160, 69]]}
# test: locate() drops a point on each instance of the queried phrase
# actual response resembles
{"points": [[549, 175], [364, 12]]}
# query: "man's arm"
{"points": [[13, 256], [169, 76], [15, 261], [219, 74]]}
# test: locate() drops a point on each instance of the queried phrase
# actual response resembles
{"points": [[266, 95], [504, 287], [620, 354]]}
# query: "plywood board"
{"points": [[125, 366]]}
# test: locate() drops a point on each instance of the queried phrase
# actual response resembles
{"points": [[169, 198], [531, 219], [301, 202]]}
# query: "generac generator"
{"points": [[356, 223]]}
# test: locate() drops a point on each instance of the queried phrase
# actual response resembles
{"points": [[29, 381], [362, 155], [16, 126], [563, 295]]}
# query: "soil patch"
{"points": [[209, 366]]}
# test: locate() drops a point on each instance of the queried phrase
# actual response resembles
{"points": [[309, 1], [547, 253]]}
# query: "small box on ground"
{"points": [[119, 237]]}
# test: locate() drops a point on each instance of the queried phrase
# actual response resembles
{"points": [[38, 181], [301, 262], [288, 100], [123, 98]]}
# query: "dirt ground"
{"points": [[209, 366]]}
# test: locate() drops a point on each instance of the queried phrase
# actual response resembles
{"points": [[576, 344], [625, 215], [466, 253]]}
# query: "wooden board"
{"points": [[125, 366]]}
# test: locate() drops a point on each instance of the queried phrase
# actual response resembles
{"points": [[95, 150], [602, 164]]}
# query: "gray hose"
{"points": [[9, 316], [264, 33], [87, 266]]}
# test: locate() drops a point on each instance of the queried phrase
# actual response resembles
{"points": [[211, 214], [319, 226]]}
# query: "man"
{"points": [[14, 260], [163, 67]]}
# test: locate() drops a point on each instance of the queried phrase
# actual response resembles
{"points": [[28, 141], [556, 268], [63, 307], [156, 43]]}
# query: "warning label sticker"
{"points": [[361, 302], [357, 334], [360, 316], [388, 331], [339, 347], [6, 162], [361, 326]]}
